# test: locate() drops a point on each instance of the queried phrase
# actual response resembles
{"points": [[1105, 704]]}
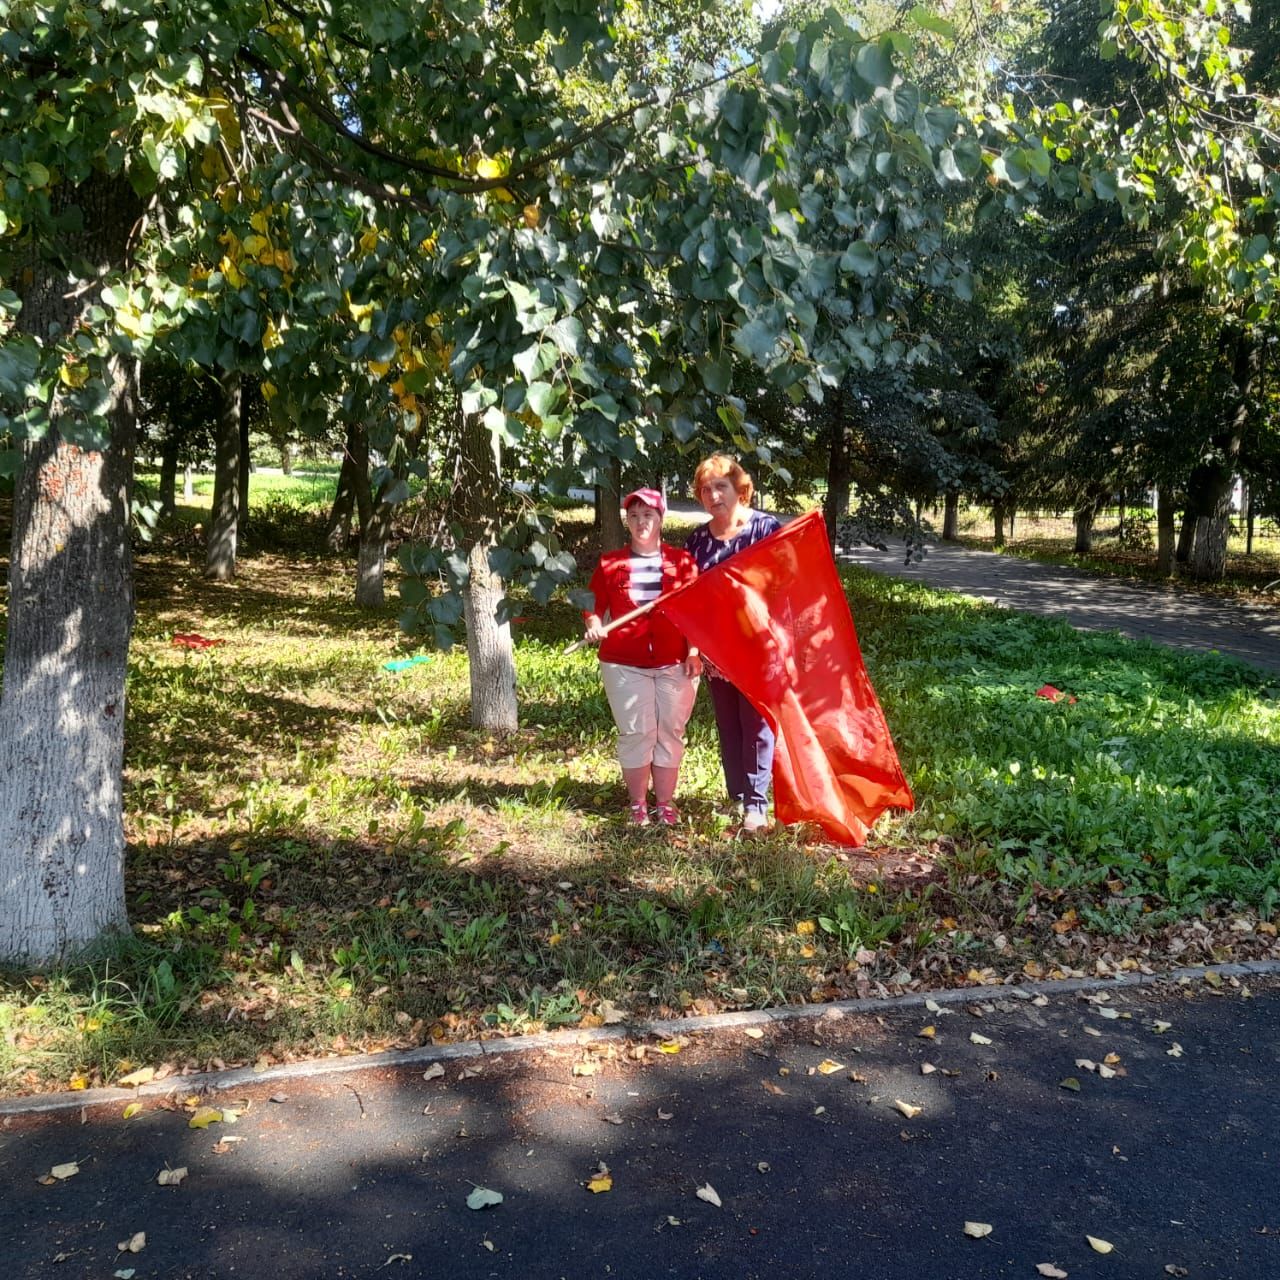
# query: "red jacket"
{"points": [[649, 640]]}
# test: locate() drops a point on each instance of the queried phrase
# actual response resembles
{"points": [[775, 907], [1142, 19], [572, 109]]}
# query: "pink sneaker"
{"points": [[667, 814], [638, 815]]}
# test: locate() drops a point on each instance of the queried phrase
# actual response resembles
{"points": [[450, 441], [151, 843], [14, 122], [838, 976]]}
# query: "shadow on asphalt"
{"points": [[1172, 1160]]}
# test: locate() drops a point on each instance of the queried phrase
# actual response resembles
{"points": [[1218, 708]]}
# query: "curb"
{"points": [[214, 1082]]}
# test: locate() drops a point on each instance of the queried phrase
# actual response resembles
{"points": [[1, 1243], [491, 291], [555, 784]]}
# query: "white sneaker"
{"points": [[755, 820]]}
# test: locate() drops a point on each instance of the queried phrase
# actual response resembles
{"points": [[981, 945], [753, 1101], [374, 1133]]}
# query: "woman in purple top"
{"points": [[746, 741]]}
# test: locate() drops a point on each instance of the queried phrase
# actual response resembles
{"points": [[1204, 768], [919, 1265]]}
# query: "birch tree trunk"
{"points": [[70, 620]]}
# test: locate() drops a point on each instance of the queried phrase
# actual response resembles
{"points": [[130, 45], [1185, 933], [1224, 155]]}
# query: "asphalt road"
{"points": [[1172, 1160], [1168, 615]]}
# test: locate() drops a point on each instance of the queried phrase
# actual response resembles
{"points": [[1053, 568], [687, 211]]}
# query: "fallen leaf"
{"points": [[927, 1068], [1112, 1059], [762, 1167], [754, 1032], [1160, 1027], [64, 1171], [978, 1229], [204, 1117], [669, 1046], [1109, 1013], [979, 1039], [828, 1067], [278, 1098], [1099, 1246], [469, 1073], [907, 1109], [934, 1007], [665, 1115], [171, 1177], [1172, 1269], [397, 1257], [1174, 1050], [144, 1075], [601, 1182], [483, 1198], [927, 1033], [1070, 1083], [613, 1118], [585, 1068], [1092, 1031], [134, 1244], [804, 927], [817, 1111], [708, 1193], [773, 1088], [1213, 979], [125, 1273], [434, 1072], [1049, 1270], [131, 1110]]}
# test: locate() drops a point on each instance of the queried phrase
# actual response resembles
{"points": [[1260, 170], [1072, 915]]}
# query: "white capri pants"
{"points": [[651, 706]]}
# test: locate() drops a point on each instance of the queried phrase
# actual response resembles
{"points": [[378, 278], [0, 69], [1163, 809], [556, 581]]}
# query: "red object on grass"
{"points": [[1054, 695], [190, 640], [774, 620]]}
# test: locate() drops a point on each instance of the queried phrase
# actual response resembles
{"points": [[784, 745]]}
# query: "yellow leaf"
{"points": [[829, 1067], [258, 220], [531, 215], [132, 1110], [64, 1171], [591, 1020], [602, 1183], [555, 940], [804, 926], [808, 951], [78, 1082], [487, 167], [73, 375], [379, 367], [585, 1068], [269, 390], [669, 1046], [271, 336], [950, 922], [907, 1109], [978, 1229], [1213, 979], [134, 1244], [204, 1117], [927, 1033], [1099, 1246], [143, 1075], [369, 241]]}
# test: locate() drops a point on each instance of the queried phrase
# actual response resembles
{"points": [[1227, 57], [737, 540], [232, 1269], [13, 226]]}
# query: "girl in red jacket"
{"points": [[650, 674]]}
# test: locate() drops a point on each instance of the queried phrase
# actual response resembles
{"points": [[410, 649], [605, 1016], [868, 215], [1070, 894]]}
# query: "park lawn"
{"points": [[324, 857]]}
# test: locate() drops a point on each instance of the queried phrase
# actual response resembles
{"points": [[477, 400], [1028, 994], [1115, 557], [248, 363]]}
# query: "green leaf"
{"points": [[927, 20], [873, 64], [717, 375], [860, 258], [542, 398]]}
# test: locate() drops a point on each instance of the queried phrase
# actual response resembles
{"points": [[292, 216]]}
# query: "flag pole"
{"points": [[616, 622]]}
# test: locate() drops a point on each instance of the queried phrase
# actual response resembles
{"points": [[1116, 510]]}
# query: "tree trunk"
{"points": [[997, 518], [246, 468], [613, 532], [1165, 513], [169, 474], [1013, 516], [490, 654], [1084, 518], [188, 484], [375, 526], [951, 518], [220, 550], [286, 459], [835, 506], [339, 528], [70, 619], [1250, 515], [1209, 489]]}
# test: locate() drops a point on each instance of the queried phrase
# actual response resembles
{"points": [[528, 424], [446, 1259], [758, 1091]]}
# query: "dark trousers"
{"points": [[746, 746]]}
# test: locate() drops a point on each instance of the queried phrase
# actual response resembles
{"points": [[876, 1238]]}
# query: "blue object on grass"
{"points": [[402, 664]]}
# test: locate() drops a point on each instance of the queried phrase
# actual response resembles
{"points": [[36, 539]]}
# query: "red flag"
{"points": [[775, 621]]}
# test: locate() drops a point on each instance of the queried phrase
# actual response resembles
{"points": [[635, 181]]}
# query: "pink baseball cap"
{"points": [[650, 498]]}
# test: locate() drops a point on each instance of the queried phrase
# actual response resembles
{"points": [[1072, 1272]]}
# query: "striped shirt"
{"points": [[646, 577]]}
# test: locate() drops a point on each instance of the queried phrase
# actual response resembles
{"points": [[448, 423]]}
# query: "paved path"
{"points": [[1174, 1160], [1165, 615]]}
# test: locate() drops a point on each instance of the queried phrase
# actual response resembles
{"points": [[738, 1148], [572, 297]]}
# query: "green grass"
{"points": [[323, 854]]}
